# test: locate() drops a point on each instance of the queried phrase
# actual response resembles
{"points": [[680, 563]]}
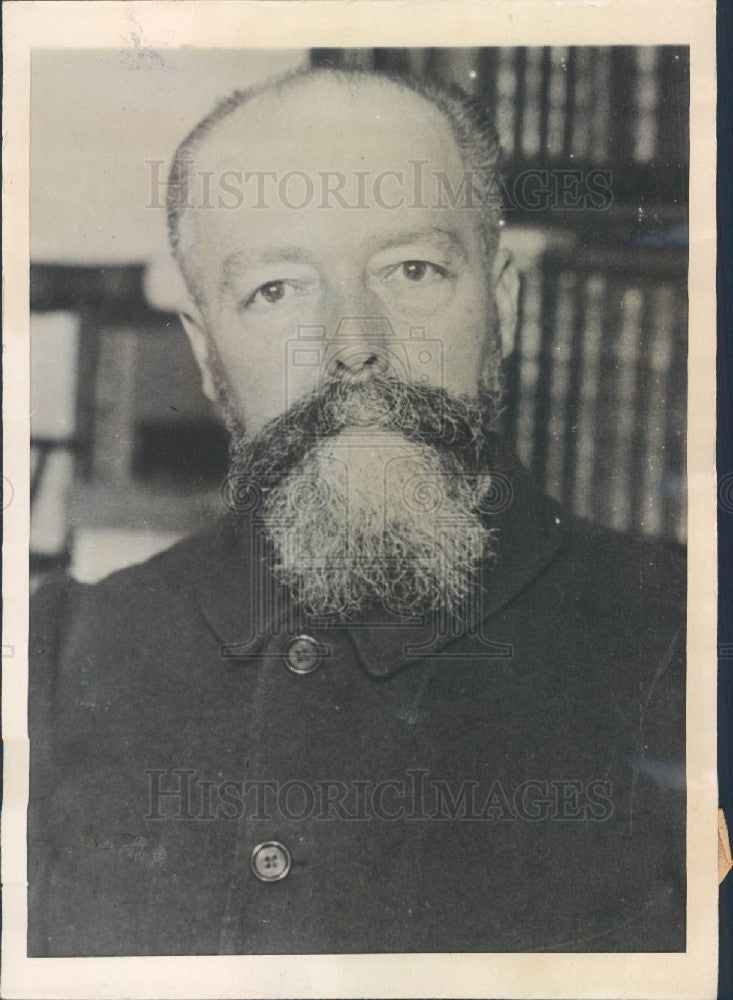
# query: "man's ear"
{"points": [[194, 326], [505, 278]]}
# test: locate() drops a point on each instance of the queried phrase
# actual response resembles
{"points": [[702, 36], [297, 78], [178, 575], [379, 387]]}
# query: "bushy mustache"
{"points": [[456, 427]]}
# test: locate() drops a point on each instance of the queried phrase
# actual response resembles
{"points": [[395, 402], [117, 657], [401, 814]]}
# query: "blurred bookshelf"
{"points": [[128, 455], [625, 108], [597, 385]]}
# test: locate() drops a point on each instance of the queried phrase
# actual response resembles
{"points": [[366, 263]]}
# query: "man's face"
{"points": [[348, 342], [352, 282]]}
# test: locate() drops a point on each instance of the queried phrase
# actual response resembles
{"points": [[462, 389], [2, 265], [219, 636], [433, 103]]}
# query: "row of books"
{"points": [[582, 104], [599, 400]]}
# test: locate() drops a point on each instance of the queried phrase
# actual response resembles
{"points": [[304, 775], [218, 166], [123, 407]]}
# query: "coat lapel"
{"points": [[226, 570]]}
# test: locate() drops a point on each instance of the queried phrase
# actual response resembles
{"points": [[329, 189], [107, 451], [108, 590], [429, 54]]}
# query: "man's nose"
{"points": [[359, 348], [359, 365]]}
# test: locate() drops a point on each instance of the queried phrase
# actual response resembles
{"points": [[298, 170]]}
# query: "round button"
{"points": [[303, 654], [270, 861]]}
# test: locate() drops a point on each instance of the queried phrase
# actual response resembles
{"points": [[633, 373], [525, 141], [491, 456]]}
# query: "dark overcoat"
{"points": [[515, 784]]}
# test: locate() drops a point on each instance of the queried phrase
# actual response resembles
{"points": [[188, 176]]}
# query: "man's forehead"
{"points": [[329, 168], [319, 124]]}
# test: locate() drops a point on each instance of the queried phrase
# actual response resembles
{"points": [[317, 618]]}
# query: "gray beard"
{"points": [[371, 496]]}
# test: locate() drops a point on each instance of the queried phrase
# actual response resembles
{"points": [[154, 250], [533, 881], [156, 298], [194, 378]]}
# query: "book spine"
{"points": [[529, 348], [653, 462], [601, 106], [559, 359], [582, 100], [557, 99], [626, 357], [586, 458], [646, 104], [506, 88], [531, 109]]}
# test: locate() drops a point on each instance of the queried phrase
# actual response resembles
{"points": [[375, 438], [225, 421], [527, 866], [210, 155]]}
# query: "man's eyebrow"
{"points": [[237, 262], [446, 238], [275, 253]]}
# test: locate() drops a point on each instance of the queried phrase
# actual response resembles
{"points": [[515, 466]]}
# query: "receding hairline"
{"points": [[306, 77], [466, 125], [297, 87]]}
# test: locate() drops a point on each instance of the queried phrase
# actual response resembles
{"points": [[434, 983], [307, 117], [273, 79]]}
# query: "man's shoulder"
{"points": [[626, 548], [165, 568], [129, 597], [574, 563], [621, 573]]}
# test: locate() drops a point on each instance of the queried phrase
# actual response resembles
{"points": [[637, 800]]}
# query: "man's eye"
{"points": [[417, 272], [270, 294]]}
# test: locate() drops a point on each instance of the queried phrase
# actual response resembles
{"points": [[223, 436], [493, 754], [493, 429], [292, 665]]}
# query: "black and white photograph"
{"points": [[361, 406]]}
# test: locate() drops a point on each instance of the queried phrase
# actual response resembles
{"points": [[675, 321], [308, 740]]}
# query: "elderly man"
{"points": [[395, 701]]}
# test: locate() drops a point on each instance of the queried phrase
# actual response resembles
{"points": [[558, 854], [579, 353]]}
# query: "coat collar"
{"points": [[226, 570]]}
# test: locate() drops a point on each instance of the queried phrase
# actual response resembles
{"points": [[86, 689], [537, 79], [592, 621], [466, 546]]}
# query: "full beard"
{"points": [[371, 496]]}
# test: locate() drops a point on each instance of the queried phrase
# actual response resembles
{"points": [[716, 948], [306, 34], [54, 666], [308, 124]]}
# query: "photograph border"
{"points": [[330, 23]]}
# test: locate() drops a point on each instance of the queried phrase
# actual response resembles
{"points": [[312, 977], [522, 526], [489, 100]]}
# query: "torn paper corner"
{"points": [[725, 862]]}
